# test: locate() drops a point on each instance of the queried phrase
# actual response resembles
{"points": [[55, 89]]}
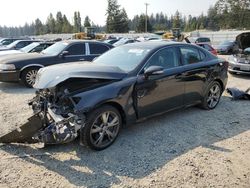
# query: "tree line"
{"points": [[225, 14]]}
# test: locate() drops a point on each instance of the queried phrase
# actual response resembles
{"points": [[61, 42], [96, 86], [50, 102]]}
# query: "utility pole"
{"points": [[146, 18]]}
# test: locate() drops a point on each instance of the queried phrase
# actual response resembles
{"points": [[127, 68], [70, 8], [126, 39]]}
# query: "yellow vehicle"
{"points": [[174, 34], [88, 34], [168, 35]]}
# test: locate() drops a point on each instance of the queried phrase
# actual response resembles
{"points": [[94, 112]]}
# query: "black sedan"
{"points": [[123, 86], [24, 67]]}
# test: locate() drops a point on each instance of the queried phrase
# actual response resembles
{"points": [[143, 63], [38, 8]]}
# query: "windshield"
{"points": [[126, 58], [30, 47], [55, 49], [13, 44]]}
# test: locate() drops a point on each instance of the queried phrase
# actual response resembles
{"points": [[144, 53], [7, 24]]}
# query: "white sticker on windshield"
{"points": [[136, 51]]}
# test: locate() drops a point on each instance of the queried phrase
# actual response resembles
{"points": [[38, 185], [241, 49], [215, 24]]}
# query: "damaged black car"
{"points": [[125, 85]]}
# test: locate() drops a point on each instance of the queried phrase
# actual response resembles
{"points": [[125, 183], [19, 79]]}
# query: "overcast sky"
{"points": [[17, 12]]}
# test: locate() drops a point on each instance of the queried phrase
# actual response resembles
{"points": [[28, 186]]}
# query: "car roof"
{"points": [[82, 41], [154, 44]]}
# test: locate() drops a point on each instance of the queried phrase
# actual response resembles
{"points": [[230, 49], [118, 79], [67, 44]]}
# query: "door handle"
{"points": [[82, 59]]}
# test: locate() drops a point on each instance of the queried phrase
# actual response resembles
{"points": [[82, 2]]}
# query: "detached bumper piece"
{"points": [[238, 94], [25, 133]]}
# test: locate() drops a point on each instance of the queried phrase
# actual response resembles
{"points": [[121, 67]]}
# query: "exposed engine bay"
{"points": [[55, 119]]}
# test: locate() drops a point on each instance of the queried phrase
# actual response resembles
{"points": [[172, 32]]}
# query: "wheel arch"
{"points": [[29, 66], [116, 106]]}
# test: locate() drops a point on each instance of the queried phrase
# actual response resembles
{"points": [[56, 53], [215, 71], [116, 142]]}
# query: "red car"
{"points": [[208, 48]]}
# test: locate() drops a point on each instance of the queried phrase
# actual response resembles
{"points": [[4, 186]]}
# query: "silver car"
{"points": [[240, 63]]}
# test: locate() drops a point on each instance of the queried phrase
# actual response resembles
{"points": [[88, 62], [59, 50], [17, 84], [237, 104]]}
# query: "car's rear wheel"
{"points": [[28, 76], [102, 127], [212, 96]]}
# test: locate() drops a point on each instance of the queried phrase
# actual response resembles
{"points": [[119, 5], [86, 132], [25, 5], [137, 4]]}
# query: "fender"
{"points": [[31, 65]]}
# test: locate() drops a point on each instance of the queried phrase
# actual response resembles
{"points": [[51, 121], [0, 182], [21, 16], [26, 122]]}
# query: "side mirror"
{"points": [[153, 70], [64, 53]]}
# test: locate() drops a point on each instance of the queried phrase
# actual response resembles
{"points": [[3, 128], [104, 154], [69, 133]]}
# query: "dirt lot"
{"points": [[186, 148]]}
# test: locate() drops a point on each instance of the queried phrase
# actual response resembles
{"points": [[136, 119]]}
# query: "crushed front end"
{"points": [[54, 121], [56, 109]]}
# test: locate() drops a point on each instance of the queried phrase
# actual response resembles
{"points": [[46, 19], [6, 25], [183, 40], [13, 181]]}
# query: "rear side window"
{"points": [[76, 49], [97, 48], [191, 55]]}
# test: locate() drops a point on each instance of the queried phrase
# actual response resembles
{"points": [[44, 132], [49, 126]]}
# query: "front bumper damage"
{"points": [[46, 125]]}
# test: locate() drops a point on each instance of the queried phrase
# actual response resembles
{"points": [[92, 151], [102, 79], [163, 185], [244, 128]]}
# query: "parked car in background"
{"points": [[240, 63], [25, 66], [111, 41], [7, 41], [18, 44], [125, 85], [208, 47], [33, 47], [204, 40], [227, 47], [125, 41]]}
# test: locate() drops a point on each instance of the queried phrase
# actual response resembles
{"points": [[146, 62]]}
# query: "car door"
{"points": [[75, 52], [160, 93], [195, 73], [94, 50]]}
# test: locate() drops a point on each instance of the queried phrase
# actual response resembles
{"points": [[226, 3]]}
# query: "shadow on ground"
{"points": [[15, 88], [143, 148]]}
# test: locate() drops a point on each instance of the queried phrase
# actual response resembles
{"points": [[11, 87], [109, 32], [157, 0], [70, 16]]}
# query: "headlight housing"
{"points": [[7, 67]]}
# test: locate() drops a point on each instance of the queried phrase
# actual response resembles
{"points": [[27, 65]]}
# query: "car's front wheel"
{"points": [[212, 96], [28, 76], [102, 127]]}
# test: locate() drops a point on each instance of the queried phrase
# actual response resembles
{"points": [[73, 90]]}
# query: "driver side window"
{"points": [[166, 58]]}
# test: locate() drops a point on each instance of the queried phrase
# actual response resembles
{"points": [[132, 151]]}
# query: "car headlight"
{"points": [[7, 67]]}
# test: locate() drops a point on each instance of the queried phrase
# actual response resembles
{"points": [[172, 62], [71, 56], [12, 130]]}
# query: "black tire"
{"points": [[28, 76], [98, 127], [211, 100]]}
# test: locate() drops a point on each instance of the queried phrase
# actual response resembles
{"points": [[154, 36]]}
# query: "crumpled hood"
{"points": [[49, 77], [11, 58]]}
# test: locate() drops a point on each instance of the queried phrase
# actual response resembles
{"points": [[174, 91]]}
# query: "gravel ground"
{"points": [[185, 148]]}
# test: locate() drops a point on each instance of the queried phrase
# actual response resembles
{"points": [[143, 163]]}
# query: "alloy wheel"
{"points": [[213, 96], [105, 129]]}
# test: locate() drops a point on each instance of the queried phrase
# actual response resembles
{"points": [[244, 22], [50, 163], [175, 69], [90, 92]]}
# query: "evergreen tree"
{"points": [[87, 22], [59, 22], [50, 24], [177, 20], [77, 22], [117, 20], [39, 28], [67, 27]]}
